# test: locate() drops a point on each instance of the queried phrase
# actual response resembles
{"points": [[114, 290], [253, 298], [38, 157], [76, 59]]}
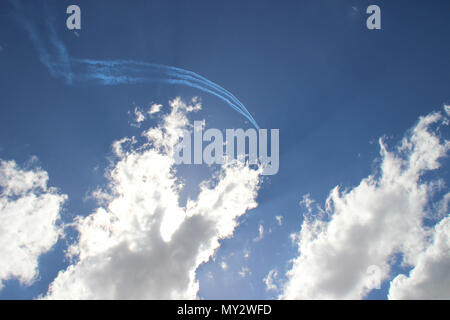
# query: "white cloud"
{"points": [[443, 206], [279, 220], [139, 115], [154, 108], [118, 145], [447, 109], [430, 279], [260, 233], [270, 279], [29, 216], [307, 202], [245, 271], [368, 224], [142, 244], [224, 265]]}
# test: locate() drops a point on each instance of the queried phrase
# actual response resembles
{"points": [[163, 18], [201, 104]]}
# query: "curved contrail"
{"points": [[56, 58], [112, 72]]}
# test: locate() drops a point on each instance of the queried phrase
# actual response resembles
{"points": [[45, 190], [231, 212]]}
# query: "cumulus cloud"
{"points": [[430, 279], [369, 224], [141, 244], [29, 220]]}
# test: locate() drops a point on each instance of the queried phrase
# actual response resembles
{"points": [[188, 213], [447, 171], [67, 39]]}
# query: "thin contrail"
{"points": [[60, 64], [187, 75], [111, 73]]}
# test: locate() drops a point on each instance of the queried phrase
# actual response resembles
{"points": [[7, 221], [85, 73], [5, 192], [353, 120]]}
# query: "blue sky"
{"points": [[309, 68]]}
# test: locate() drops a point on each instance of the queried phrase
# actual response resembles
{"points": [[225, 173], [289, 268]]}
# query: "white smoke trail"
{"points": [[61, 65]]}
